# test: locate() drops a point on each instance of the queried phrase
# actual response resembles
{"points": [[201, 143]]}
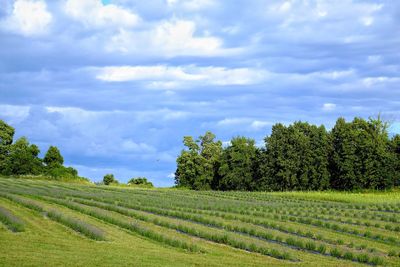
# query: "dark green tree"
{"points": [[197, 167], [23, 159], [360, 155], [53, 157], [6, 139], [296, 158], [395, 148], [238, 169], [109, 179]]}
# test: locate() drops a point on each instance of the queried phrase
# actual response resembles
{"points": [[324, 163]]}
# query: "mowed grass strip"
{"points": [[11, 221]]}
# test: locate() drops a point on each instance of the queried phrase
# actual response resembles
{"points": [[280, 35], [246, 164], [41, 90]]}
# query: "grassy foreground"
{"points": [[59, 224]]}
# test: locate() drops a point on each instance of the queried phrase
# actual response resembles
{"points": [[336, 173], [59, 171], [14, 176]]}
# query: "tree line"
{"points": [[22, 158], [301, 156]]}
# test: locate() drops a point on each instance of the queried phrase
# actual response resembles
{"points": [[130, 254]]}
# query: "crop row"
{"points": [[218, 238], [87, 230], [11, 221], [126, 225], [289, 241]]}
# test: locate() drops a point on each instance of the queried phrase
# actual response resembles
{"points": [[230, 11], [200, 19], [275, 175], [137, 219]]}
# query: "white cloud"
{"points": [[367, 21], [232, 121], [328, 107], [374, 81], [29, 17], [191, 4], [285, 7], [131, 146], [92, 13], [168, 38], [258, 125], [334, 75], [164, 114], [178, 35], [14, 114], [249, 124], [168, 77]]}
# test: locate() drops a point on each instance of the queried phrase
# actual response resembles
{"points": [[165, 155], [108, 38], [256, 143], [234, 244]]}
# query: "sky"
{"points": [[116, 84]]}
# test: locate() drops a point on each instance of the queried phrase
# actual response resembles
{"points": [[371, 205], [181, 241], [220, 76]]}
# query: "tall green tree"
{"points": [[197, 166], [6, 139], [53, 157], [360, 155], [238, 165], [296, 158], [395, 148], [23, 159]]}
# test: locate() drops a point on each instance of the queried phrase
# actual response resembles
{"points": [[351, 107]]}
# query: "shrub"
{"points": [[140, 181]]}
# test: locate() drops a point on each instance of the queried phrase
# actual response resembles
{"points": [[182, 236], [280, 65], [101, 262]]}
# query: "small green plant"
{"points": [[322, 249], [376, 261], [311, 245], [393, 253], [364, 258], [335, 252], [348, 255]]}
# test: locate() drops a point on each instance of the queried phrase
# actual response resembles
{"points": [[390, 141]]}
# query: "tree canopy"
{"points": [[53, 157], [109, 179], [22, 158], [353, 155]]}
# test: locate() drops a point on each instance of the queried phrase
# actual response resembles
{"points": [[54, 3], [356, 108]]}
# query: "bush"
{"points": [[140, 181], [109, 179]]}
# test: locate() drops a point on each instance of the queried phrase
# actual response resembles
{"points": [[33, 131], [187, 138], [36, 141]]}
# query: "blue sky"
{"points": [[116, 84]]}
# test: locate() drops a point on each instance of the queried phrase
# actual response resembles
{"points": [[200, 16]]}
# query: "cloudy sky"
{"points": [[116, 84]]}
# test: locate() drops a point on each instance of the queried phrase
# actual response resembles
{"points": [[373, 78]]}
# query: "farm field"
{"points": [[46, 223]]}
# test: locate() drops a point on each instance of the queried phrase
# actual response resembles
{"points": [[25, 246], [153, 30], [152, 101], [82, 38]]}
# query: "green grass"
{"points": [[169, 227]]}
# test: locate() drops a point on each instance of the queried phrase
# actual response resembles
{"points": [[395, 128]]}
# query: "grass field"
{"points": [[46, 223]]}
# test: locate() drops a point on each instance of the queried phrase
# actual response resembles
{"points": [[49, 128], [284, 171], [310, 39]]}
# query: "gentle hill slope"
{"points": [[82, 225]]}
